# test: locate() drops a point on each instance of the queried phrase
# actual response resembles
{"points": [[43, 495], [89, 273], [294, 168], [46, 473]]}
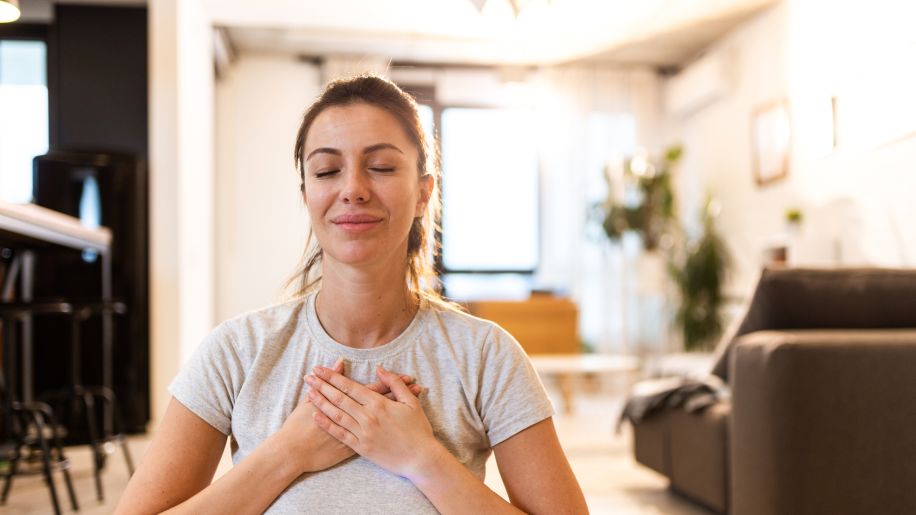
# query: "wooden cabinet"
{"points": [[543, 324]]}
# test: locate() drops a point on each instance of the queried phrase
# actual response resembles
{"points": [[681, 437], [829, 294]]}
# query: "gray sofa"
{"points": [[822, 415]]}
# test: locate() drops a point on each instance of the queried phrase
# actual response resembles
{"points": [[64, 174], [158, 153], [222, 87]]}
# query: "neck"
{"points": [[364, 308]]}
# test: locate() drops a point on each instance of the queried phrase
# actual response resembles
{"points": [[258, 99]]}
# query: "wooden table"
{"points": [[565, 369], [26, 227]]}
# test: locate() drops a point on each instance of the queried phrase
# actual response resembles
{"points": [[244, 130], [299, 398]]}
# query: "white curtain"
{"points": [[593, 117]]}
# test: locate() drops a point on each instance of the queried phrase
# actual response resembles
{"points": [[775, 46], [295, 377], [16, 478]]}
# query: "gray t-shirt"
{"points": [[247, 376]]}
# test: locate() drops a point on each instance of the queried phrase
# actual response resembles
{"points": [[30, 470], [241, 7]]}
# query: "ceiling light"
{"points": [[517, 5], [9, 11]]}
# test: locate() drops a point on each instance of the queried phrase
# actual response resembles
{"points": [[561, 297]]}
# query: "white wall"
{"points": [[857, 199], [181, 188], [261, 223]]}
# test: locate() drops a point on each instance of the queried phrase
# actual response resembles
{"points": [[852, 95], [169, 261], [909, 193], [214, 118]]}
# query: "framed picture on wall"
{"points": [[771, 138]]}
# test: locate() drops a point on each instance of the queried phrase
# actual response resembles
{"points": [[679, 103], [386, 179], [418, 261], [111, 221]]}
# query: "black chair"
{"points": [[77, 400], [31, 434]]}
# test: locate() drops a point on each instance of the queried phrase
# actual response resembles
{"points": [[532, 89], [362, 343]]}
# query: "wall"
{"points": [[856, 198], [181, 188], [261, 223]]}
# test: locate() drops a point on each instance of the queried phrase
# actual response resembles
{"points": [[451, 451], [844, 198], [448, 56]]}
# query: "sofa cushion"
{"points": [[650, 442], [699, 457]]}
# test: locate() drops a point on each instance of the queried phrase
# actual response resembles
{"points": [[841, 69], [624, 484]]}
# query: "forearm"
{"points": [[452, 488], [249, 487]]}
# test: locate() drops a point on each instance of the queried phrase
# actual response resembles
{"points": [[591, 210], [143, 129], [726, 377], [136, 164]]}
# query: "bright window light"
{"points": [[24, 122], [489, 190]]}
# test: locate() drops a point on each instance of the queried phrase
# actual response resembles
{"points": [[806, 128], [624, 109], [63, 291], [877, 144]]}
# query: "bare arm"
{"points": [[180, 463], [536, 473], [534, 470]]}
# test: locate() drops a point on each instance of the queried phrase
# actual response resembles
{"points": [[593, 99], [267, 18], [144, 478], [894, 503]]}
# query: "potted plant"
{"points": [[647, 208], [700, 277]]}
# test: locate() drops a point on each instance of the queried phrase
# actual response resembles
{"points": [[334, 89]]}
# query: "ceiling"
{"points": [[661, 33]]}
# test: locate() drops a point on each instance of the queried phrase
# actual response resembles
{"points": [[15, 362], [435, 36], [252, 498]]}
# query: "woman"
{"points": [[296, 425]]}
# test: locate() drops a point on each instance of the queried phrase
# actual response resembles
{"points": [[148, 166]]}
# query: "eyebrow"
{"points": [[367, 150]]}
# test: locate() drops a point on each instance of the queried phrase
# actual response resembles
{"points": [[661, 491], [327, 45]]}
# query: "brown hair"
{"points": [[378, 92]]}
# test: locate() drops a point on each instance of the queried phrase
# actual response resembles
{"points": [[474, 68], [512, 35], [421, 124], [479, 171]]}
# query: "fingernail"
{"points": [[309, 379]]}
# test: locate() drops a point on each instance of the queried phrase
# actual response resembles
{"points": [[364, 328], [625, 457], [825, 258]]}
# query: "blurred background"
{"points": [[615, 174]]}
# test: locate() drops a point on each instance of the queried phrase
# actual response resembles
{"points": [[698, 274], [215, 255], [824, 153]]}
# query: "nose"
{"points": [[355, 188]]}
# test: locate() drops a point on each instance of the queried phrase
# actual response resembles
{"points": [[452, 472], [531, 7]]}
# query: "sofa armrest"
{"points": [[824, 421]]}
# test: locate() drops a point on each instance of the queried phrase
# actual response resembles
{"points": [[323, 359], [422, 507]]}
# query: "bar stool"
{"points": [[76, 398], [33, 428], [83, 397]]}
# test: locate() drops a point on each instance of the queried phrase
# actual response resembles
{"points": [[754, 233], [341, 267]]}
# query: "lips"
{"points": [[355, 219], [356, 223]]}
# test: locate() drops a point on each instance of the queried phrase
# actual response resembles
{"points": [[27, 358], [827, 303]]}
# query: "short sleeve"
{"points": [[511, 396], [209, 382]]}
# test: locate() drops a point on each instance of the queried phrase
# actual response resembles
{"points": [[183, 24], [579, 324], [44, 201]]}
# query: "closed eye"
{"points": [[325, 173], [381, 169]]}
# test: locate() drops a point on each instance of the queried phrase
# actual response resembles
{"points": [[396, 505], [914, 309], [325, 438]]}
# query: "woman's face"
{"points": [[361, 185]]}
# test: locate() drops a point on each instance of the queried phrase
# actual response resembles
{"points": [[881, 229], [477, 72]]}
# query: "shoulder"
{"points": [[465, 330], [266, 320], [248, 332]]}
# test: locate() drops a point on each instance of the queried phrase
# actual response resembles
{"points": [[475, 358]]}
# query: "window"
{"points": [[24, 124], [489, 191]]}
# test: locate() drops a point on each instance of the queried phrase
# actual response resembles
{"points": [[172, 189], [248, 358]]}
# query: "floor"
{"points": [[613, 483]]}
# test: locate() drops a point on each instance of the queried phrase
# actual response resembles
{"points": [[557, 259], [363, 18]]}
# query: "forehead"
{"points": [[356, 126]]}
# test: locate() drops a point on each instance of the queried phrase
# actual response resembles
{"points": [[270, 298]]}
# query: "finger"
{"points": [[415, 389], [337, 367], [335, 405], [379, 388], [347, 386], [340, 434], [398, 388]]}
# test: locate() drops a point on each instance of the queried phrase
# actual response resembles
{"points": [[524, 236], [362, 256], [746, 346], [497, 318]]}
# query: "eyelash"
{"points": [[320, 175]]}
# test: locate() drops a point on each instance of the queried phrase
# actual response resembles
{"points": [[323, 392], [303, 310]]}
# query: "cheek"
{"points": [[316, 199]]}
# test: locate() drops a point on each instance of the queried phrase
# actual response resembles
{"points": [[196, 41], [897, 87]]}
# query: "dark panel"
{"points": [[100, 79], [60, 181]]}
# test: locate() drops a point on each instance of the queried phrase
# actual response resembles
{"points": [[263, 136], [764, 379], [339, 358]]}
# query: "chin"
{"points": [[355, 255]]}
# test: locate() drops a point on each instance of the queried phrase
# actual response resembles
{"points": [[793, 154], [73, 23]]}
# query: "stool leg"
{"points": [[94, 443], [124, 447], [46, 461], [14, 467], [62, 461], [112, 403]]}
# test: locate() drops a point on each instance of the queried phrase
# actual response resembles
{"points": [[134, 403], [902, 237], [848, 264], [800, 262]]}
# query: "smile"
{"points": [[356, 223]]}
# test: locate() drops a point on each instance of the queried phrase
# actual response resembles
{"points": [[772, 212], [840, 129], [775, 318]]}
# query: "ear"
{"points": [[305, 199], [427, 182]]}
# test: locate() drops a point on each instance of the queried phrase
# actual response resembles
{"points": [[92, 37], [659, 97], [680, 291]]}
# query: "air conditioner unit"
{"points": [[705, 81]]}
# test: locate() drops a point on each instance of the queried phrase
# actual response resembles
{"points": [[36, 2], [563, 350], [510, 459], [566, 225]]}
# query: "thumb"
{"points": [[396, 385], [338, 366]]}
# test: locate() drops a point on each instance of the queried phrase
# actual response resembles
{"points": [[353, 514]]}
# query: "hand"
{"points": [[311, 446], [382, 389], [314, 447], [393, 434]]}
